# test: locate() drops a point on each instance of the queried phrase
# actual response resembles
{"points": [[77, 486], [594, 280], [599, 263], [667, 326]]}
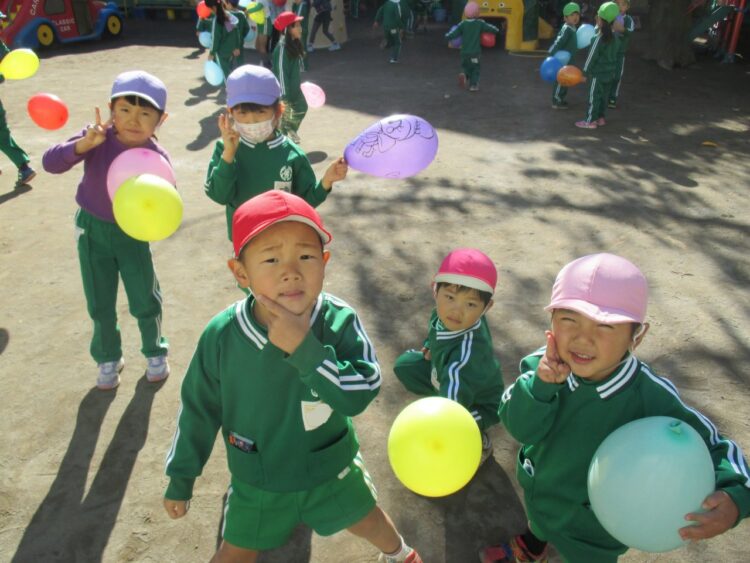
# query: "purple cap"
{"points": [[468, 267], [252, 84], [603, 287], [142, 84]]}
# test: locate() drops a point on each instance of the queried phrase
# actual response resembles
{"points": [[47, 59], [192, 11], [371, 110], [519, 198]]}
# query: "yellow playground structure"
{"points": [[512, 11]]}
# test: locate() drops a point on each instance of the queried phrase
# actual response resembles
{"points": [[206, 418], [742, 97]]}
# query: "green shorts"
{"points": [[264, 28], [260, 520]]}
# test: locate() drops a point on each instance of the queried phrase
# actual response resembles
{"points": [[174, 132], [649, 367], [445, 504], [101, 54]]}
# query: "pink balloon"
{"points": [[134, 162], [314, 95], [398, 146]]}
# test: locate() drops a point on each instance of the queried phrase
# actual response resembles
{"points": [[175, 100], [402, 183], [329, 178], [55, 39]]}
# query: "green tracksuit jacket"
{"points": [[560, 426], [470, 32], [566, 40], [393, 14], [462, 368], [224, 42], [614, 90], [284, 418], [287, 69], [276, 164]]}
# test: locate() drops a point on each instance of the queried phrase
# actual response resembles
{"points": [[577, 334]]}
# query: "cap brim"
{"points": [[324, 235], [149, 99], [594, 312], [467, 281], [261, 100]]}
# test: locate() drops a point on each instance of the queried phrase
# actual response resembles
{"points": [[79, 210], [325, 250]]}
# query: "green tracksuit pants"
{"points": [[558, 94], [107, 254], [295, 112], [614, 90], [8, 145], [470, 67], [597, 98], [393, 40]]}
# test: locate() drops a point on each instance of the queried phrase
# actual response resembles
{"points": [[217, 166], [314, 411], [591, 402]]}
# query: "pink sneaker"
{"points": [[586, 124], [462, 81], [600, 122]]}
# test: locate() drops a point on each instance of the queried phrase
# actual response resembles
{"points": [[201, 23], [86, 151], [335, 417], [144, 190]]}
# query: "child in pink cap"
{"points": [[278, 376], [573, 393], [457, 360]]}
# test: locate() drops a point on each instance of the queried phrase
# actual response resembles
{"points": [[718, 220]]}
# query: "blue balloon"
{"points": [[204, 38], [584, 35], [549, 69], [213, 73], [645, 477], [563, 57], [398, 146]]}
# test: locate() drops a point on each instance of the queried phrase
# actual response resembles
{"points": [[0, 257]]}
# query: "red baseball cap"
{"points": [[468, 267], [264, 210], [285, 19]]}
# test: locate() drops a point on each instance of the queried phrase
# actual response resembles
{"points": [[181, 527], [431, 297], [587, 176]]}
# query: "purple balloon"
{"points": [[397, 146]]}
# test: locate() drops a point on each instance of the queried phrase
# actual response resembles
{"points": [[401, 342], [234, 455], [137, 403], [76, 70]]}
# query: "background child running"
{"points": [[393, 16], [457, 360], [322, 19], [573, 393], [253, 156], [227, 36], [470, 30], [601, 63], [288, 59], [566, 40], [137, 105], [623, 27], [279, 374], [8, 144]]}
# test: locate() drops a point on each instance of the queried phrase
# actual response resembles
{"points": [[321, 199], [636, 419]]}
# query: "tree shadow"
{"points": [[70, 523], [4, 339]]}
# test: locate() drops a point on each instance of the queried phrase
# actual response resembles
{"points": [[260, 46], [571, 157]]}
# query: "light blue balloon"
{"points": [[562, 56], [212, 72], [204, 38], [250, 37], [584, 35], [645, 477], [243, 3]]}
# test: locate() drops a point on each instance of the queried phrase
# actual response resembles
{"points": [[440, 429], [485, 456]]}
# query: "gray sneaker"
{"points": [[334, 47], [487, 449], [157, 369], [109, 374], [294, 137]]}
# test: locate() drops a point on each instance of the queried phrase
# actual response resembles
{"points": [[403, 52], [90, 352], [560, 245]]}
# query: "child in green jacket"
{"points": [[457, 360], [470, 30], [228, 31], [279, 374], [252, 156], [624, 26], [566, 40], [393, 16], [288, 61], [585, 384], [600, 68]]}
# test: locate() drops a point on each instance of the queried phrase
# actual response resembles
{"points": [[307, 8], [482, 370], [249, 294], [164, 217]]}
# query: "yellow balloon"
{"points": [[147, 207], [256, 12], [434, 446], [19, 64]]}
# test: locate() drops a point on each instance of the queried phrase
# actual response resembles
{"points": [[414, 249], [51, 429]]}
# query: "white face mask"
{"points": [[255, 132]]}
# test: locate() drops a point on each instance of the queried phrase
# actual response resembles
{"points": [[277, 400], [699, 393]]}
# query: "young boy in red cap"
{"points": [[573, 393], [280, 373], [288, 62], [457, 360]]}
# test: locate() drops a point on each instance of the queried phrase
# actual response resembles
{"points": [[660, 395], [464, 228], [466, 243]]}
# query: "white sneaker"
{"points": [[310, 48], [334, 47], [109, 374], [487, 449], [157, 369]]}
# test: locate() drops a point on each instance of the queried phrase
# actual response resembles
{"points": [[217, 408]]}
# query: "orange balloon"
{"points": [[569, 75], [204, 12]]}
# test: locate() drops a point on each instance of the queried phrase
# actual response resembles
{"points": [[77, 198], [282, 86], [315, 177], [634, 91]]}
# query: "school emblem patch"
{"points": [[286, 173]]}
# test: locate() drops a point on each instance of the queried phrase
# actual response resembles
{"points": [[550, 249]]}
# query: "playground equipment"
{"points": [[511, 12], [39, 23], [723, 23]]}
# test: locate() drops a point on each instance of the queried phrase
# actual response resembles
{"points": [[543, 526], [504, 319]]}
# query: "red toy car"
{"points": [[39, 23]]}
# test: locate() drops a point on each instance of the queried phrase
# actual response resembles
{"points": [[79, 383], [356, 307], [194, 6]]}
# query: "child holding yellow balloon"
{"points": [[457, 360], [279, 374], [253, 156], [8, 144], [572, 394], [106, 253]]}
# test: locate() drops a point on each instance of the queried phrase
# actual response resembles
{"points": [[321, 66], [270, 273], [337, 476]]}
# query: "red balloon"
{"points": [[487, 39], [203, 11], [47, 111]]}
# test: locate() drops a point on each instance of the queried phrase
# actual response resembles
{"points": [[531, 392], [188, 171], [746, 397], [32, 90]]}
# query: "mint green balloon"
{"points": [[645, 477]]}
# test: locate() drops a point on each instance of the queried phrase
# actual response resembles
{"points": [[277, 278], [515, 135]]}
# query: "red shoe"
{"points": [[515, 550], [462, 81], [600, 122], [586, 124]]}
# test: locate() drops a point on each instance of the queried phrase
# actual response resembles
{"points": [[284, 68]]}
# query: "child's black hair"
{"points": [[257, 108], [221, 16], [606, 30], [294, 46], [484, 296], [134, 100]]}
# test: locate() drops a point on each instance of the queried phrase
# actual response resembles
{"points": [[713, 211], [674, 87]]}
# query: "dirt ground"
{"points": [[81, 471]]}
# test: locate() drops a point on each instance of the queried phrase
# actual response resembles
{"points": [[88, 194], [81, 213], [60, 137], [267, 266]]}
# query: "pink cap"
{"points": [[603, 287], [468, 267], [271, 207], [471, 10]]}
